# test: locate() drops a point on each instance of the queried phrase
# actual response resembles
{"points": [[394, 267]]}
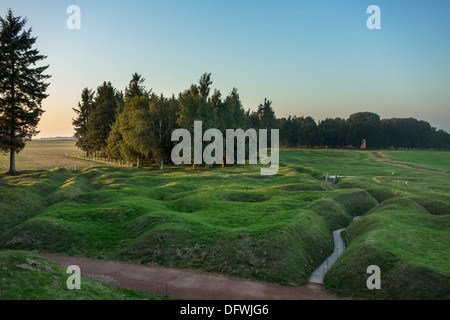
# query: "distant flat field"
{"points": [[45, 154], [430, 159]]}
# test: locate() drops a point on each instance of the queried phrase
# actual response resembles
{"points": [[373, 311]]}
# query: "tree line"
{"points": [[136, 125], [396, 133]]}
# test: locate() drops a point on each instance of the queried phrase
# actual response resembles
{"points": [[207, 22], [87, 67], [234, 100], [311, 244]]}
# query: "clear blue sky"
{"points": [[310, 57]]}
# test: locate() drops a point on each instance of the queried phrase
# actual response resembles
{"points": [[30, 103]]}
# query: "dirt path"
{"points": [[185, 284]]}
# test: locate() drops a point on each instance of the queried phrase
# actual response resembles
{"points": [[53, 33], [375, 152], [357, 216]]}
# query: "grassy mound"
{"points": [[356, 202], [433, 206], [234, 221], [218, 220], [25, 195], [380, 193], [408, 244], [28, 276]]}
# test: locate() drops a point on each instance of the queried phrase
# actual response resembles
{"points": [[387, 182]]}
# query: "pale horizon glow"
{"points": [[310, 58]]}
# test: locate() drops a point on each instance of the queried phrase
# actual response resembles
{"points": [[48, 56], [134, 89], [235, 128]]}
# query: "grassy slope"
{"points": [[28, 276], [234, 221], [230, 220], [407, 235], [409, 245]]}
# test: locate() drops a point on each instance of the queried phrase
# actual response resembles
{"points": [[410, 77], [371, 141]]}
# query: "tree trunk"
{"points": [[223, 161], [162, 161], [12, 162]]}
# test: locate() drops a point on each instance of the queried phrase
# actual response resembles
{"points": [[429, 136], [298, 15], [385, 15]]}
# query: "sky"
{"points": [[309, 57]]}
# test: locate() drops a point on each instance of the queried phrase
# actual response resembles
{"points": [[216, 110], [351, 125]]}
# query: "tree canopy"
{"points": [[22, 85], [137, 125]]}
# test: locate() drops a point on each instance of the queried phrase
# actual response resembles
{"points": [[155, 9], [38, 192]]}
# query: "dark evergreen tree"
{"points": [[135, 128], [102, 117], [114, 142], [136, 87], [195, 104], [334, 132], [252, 119], [309, 134], [163, 117], [22, 86], [439, 139], [290, 132], [266, 115], [80, 122], [365, 126], [406, 133]]}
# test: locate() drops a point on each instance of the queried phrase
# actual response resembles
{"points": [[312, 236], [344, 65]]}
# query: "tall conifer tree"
{"points": [[22, 86], [80, 123]]}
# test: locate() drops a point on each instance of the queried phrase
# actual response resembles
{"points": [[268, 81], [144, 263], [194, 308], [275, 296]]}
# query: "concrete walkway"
{"points": [[319, 274]]}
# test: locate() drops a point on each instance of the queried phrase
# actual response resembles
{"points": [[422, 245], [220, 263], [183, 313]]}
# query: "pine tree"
{"points": [[114, 142], [136, 87], [134, 128], [267, 119], [80, 123], [116, 147], [195, 104], [163, 117], [102, 117], [22, 86]]}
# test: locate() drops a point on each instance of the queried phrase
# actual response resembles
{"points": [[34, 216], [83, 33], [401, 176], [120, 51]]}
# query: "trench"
{"points": [[319, 274]]}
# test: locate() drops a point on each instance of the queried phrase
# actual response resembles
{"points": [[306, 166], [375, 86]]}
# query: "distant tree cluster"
{"points": [[395, 133], [136, 125]]}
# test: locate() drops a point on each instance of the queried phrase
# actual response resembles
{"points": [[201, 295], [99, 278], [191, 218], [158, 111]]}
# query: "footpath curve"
{"points": [[186, 284]]}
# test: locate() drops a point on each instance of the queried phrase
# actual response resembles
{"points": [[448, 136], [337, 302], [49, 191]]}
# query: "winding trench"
{"points": [[319, 274]]}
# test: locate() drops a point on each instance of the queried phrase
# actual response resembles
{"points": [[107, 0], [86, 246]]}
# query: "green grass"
{"points": [[427, 159], [383, 180], [44, 155], [28, 276], [228, 220], [234, 221], [409, 245]]}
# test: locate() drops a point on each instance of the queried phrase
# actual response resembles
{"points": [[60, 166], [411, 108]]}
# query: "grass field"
{"points": [[428, 159], [234, 221], [28, 276], [229, 221], [45, 154]]}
